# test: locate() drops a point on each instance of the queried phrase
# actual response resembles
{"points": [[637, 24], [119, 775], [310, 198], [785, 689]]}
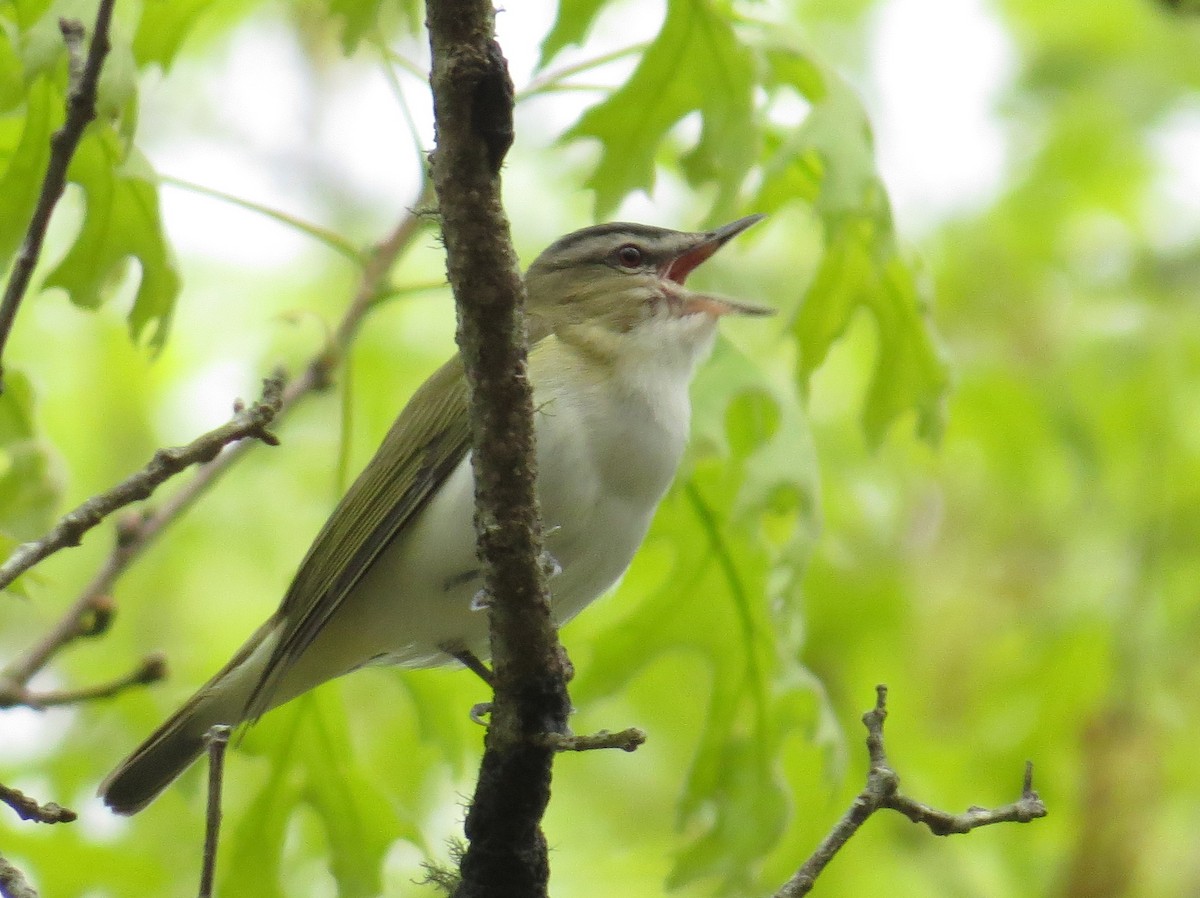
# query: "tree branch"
{"points": [[626, 740], [91, 611], [473, 101], [883, 791], [81, 110], [12, 883], [166, 463], [28, 808], [217, 740], [12, 693]]}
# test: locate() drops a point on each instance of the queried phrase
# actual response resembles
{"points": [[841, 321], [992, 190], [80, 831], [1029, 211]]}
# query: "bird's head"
{"points": [[613, 281]]}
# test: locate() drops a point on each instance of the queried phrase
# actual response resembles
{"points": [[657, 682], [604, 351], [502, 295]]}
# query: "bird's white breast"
{"points": [[609, 442], [607, 452]]}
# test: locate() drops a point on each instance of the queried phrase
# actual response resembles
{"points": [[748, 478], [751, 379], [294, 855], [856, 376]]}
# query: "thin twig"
{"points": [[29, 809], [81, 110], [13, 883], [217, 739], [325, 236], [883, 791], [137, 531], [552, 81], [166, 463], [151, 669], [941, 823], [625, 740]]}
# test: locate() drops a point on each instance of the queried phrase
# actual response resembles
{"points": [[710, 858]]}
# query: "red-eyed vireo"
{"points": [[392, 577]]}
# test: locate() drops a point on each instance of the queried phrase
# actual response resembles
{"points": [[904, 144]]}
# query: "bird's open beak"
{"points": [[686, 262]]}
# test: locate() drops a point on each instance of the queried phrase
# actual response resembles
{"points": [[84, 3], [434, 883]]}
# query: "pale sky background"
{"points": [[245, 120], [942, 146]]}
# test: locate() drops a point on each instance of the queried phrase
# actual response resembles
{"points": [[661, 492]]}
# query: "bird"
{"points": [[393, 576]]}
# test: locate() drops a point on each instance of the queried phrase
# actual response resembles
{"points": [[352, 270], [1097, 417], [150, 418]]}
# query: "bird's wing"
{"points": [[426, 443]]}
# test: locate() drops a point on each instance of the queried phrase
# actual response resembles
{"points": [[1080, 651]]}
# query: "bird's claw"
{"points": [[550, 566]]}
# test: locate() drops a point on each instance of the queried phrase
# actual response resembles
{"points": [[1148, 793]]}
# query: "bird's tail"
{"points": [[173, 747]]}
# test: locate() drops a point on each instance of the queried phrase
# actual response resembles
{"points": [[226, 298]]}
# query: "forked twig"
{"points": [[883, 791]]}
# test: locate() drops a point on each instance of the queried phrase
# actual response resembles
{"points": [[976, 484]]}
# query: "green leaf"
{"points": [[26, 12], [360, 17], [24, 153], [122, 221], [696, 64], [29, 487], [861, 270], [829, 161], [829, 158], [12, 70], [163, 27], [571, 25], [256, 852], [313, 768], [358, 820]]}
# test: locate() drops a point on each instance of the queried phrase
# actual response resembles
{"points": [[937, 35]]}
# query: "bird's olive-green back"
{"points": [[426, 443]]}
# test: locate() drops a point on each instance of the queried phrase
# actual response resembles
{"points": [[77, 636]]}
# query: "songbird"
{"points": [[392, 577]]}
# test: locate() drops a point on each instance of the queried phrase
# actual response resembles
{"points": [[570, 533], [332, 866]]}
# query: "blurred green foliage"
{"points": [[1015, 556]]}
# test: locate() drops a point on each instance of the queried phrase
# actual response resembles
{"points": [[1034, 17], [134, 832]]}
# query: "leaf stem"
{"points": [[334, 241], [550, 81]]}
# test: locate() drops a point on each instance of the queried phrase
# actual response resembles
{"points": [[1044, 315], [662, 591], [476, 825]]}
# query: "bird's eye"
{"points": [[629, 256]]}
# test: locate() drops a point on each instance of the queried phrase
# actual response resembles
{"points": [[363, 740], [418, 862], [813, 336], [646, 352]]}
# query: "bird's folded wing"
{"points": [[427, 442]]}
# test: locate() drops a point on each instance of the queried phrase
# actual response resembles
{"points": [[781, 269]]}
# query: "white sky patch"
{"points": [[205, 400], [938, 68], [27, 733], [229, 122], [246, 121], [1174, 215]]}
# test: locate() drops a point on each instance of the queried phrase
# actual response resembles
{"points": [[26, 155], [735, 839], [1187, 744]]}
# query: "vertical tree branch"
{"points": [[473, 99]]}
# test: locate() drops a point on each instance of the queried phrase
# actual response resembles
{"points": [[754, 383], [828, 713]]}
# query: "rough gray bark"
{"points": [[473, 101]]}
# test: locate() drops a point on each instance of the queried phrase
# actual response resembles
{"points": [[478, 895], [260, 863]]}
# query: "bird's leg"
{"points": [[469, 660]]}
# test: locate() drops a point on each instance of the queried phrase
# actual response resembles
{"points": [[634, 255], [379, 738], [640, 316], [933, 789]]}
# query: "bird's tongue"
{"points": [[681, 267]]}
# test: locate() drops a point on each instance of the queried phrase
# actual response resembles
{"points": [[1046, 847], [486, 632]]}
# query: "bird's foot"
{"points": [[550, 566], [481, 601]]}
